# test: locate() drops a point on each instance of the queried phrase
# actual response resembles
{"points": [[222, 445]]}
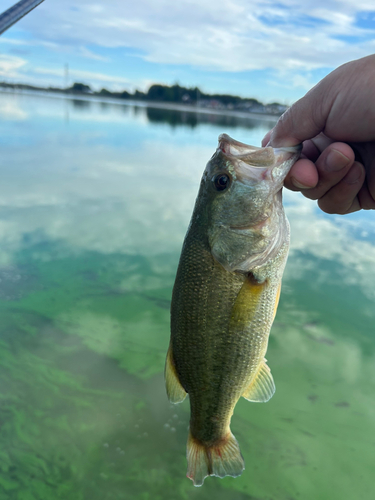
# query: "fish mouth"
{"points": [[257, 163], [257, 155], [252, 155]]}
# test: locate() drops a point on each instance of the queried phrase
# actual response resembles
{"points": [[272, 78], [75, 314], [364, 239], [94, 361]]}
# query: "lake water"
{"points": [[95, 200]]}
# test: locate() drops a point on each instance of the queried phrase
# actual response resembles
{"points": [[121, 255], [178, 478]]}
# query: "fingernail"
{"points": [[298, 184], [354, 174], [335, 161]]}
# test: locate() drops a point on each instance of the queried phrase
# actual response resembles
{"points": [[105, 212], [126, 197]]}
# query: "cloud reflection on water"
{"points": [[128, 187]]}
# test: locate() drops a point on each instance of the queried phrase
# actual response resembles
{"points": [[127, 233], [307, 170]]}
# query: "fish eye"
{"points": [[221, 182]]}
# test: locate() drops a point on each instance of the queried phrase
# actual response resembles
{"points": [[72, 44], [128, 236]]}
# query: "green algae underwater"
{"points": [[95, 199]]}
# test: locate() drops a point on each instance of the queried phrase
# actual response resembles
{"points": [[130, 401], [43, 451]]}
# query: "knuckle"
{"points": [[329, 206], [366, 199], [310, 195], [368, 206]]}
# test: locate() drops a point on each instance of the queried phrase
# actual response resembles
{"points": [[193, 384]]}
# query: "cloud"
{"points": [[12, 41], [91, 55], [83, 75], [9, 65], [28, 43], [227, 36], [17, 69], [281, 48]]}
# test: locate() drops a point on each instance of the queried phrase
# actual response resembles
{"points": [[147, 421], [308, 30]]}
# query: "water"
{"points": [[94, 203]]}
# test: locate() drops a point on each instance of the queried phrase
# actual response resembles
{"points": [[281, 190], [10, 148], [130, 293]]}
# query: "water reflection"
{"points": [[193, 119], [80, 104], [93, 213]]}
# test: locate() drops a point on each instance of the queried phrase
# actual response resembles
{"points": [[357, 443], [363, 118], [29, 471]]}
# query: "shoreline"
{"points": [[143, 104]]}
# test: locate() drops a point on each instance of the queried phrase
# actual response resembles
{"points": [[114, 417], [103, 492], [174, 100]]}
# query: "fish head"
{"points": [[242, 191]]}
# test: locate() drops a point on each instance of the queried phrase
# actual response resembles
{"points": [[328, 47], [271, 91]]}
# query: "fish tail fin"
{"points": [[221, 459]]}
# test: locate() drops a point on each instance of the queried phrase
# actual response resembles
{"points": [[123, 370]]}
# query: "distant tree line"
{"points": [[178, 94], [165, 93]]}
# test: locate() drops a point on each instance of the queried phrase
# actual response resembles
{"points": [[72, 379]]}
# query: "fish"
{"points": [[225, 297]]}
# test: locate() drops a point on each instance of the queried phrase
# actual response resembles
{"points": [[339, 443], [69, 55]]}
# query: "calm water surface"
{"points": [[95, 200]]}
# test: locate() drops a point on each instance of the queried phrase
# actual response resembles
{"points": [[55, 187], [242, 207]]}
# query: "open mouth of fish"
{"points": [[257, 163]]}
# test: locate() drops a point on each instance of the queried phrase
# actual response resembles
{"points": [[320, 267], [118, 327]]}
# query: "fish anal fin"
{"points": [[262, 387], [221, 459], [175, 392]]}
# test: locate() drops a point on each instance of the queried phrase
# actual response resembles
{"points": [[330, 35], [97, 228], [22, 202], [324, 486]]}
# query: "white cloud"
{"points": [[80, 74], [91, 55], [9, 65], [15, 69], [12, 41], [28, 43], [289, 38], [228, 35]]}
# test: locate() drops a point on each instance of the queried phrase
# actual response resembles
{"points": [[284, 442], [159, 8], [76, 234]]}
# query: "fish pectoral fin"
{"points": [[262, 387], [175, 392], [276, 301]]}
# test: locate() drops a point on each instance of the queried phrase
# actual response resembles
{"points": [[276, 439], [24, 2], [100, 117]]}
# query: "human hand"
{"points": [[335, 121]]}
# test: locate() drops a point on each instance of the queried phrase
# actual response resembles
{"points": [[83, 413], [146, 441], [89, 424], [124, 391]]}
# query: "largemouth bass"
{"points": [[225, 298]]}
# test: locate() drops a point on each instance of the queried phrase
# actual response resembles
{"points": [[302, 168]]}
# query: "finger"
{"points": [[266, 139], [332, 166], [342, 198], [366, 201], [313, 148], [303, 175], [310, 151], [321, 142]]}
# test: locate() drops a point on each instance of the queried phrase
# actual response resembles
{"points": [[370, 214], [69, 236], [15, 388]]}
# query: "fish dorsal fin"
{"points": [[175, 392], [262, 387]]}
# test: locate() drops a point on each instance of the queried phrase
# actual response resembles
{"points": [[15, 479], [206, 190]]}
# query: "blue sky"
{"points": [[273, 51]]}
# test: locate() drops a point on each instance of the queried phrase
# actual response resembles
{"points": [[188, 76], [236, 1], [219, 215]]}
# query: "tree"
{"points": [[80, 88]]}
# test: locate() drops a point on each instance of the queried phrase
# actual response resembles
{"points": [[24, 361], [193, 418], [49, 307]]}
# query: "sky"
{"points": [[269, 50]]}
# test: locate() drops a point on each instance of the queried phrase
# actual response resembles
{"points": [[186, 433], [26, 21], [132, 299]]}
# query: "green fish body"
{"points": [[225, 298]]}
